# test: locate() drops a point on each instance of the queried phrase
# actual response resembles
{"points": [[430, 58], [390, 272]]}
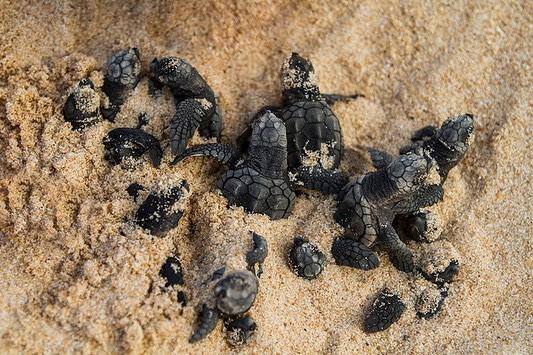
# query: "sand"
{"points": [[75, 276]]}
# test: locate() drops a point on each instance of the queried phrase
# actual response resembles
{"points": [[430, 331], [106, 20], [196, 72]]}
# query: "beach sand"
{"points": [[75, 276]]}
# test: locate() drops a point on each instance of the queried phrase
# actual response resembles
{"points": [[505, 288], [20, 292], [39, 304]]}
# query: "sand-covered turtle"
{"points": [[123, 71], [82, 108], [369, 204], [443, 147], [314, 135], [240, 330], [258, 181], [163, 208], [126, 145], [196, 106]]}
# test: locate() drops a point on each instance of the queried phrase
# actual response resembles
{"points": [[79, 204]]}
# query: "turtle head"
{"points": [[408, 171], [298, 81], [171, 71], [452, 141], [124, 67], [456, 133], [268, 145]]}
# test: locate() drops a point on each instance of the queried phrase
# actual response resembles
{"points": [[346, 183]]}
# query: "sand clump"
{"points": [[77, 276]]}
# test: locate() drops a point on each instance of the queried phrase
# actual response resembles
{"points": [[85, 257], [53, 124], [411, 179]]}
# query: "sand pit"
{"points": [[74, 277]]}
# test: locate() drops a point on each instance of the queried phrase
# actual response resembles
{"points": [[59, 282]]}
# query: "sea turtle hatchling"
{"points": [[196, 106], [82, 108], [369, 204], [314, 135], [259, 182], [445, 147], [123, 71]]}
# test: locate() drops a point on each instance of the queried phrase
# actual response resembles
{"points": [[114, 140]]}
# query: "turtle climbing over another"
{"points": [[196, 106], [444, 147], [259, 182], [369, 204], [121, 77], [314, 135]]}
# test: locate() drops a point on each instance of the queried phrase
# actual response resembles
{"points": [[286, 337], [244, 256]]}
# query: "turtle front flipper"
{"points": [[380, 159], [331, 99], [400, 256], [224, 153], [189, 115], [318, 178]]}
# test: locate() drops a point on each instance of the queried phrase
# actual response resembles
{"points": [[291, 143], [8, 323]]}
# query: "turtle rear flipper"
{"points": [[224, 153], [318, 178], [400, 256]]}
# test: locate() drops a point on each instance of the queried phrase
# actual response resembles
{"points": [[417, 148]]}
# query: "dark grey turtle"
{"points": [[386, 309], [205, 324], [259, 181], [444, 147], [258, 254], [82, 108], [369, 204], [121, 77], [314, 136], [196, 106], [125, 145], [172, 272], [236, 292], [306, 259], [161, 211], [240, 330]]}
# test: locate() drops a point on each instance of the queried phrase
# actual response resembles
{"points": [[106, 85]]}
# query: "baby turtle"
{"points": [[196, 105], [369, 204], [124, 145], [240, 330], [444, 147], [160, 212], [205, 324], [350, 252], [430, 302], [82, 108], [171, 271], [259, 182], [314, 137], [236, 292], [121, 77], [258, 254], [306, 259], [386, 309]]}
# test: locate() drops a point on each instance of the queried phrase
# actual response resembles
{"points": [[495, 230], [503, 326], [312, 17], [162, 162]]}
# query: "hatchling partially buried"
{"points": [[314, 135], [259, 181]]}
